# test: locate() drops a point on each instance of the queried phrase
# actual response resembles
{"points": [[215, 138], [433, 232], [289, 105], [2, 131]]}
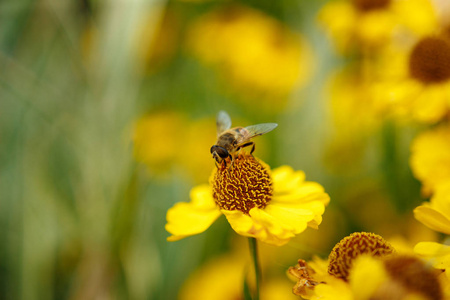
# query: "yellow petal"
{"points": [[290, 186], [431, 105], [432, 218], [441, 199], [375, 27], [417, 15], [293, 219], [438, 253], [333, 289], [366, 276], [186, 219], [259, 225], [285, 179]]}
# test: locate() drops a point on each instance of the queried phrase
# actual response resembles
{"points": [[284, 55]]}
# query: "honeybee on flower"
{"points": [[231, 140]]}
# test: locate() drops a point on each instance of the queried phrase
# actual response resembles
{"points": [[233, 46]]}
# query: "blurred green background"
{"points": [[107, 114]]}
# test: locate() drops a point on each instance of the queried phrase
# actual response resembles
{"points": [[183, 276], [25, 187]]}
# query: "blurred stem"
{"points": [[390, 164], [254, 252]]}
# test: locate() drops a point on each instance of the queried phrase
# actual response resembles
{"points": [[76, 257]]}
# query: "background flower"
{"points": [[259, 56], [430, 158]]}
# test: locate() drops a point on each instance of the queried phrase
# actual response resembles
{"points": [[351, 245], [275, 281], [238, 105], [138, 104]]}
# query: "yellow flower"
{"points": [[223, 279], [167, 139], [355, 116], [270, 206], [156, 137], [413, 81], [361, 24], [258, 55], [363, 266], [430, 157]]}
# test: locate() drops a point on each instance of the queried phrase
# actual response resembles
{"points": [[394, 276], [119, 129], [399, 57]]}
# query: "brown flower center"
{"points": [[430, 60], [343, 254], [368, 5], [243, 186], [409, 275]]}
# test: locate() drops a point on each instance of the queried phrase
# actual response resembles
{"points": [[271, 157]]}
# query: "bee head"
{"points": [[219, 151]]}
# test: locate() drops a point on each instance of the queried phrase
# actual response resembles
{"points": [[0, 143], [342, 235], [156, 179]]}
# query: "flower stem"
{"points": [[254, 252]]}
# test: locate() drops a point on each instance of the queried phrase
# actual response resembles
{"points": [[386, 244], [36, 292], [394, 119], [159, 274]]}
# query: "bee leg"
{"points": [[231, 162], [253, 148], [246, 145]]}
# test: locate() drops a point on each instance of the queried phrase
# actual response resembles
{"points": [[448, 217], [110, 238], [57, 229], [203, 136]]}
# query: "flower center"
{"points": [[409, 274], [343, 254], [430, 60], [367, 5], [244, 185]]}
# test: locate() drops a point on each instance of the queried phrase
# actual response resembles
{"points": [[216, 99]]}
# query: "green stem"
{"points": [[254, 252]]}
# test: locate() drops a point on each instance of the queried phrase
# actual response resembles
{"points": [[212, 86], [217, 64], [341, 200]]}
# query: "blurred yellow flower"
{"points": [[260, 56], [270, 206], [355, 116], [156, 139], [430, 157], [165, 139], [414, 81], [367, 271], [363, 24], [223, 279]]}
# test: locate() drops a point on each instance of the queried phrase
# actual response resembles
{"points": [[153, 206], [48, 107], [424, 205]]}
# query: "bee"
{"points": [[231, 140]]}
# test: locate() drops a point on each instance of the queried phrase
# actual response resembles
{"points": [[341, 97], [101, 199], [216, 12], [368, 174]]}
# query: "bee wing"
{"points": [[223, 122], [260, 129]]}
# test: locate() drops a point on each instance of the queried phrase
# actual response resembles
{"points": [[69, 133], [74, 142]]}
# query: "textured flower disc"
{"points": [[244, 185], [430, 60], [413, 276], [368, 5], [350, 247]]}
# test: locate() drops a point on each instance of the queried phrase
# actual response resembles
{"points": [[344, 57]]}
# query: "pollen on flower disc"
{"points": [[349, 248], [410, 274], [429, 61], [244, 185], [367, 5]]}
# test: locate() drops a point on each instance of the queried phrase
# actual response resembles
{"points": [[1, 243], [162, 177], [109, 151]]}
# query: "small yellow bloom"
{"points": [[272, 206], [365, 24], [430, 157], [156, 137], [167, 139], [414, 79], [355, 116], [259, 56], [223, 278]]}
